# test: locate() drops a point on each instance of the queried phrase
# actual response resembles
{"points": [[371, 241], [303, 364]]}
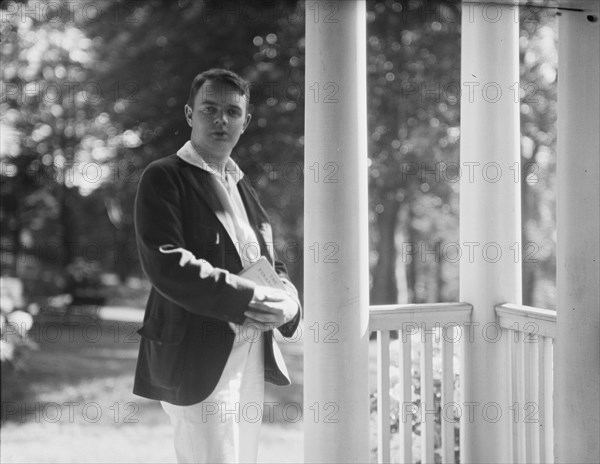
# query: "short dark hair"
{"points": [[224, 76]]}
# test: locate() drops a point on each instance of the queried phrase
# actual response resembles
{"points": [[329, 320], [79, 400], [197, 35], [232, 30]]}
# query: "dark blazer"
{"points": [[186, 338]]}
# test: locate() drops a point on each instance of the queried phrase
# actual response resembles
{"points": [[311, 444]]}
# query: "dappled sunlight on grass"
{"points": [[75, 402]]}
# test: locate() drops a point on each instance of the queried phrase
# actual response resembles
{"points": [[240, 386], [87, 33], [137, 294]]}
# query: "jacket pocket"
{"points": [[206, 234], [206, 242], [163, 332], [165, 352]]}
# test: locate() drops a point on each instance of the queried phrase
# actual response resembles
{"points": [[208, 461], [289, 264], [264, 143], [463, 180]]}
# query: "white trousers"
{"points": [[225, 427]]}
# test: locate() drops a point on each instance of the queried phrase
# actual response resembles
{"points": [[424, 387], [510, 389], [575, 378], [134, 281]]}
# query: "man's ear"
{"points": [[248, 118], [188, 114]]}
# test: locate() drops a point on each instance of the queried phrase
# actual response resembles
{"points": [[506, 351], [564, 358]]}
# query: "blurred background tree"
{"points": [[414, 85], [91, 95], [539, 68], [414, 124]]}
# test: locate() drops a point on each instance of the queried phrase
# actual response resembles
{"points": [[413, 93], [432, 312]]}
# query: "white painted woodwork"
{"points": [[549, 400], [336, 263], [405, 422], [577, 348], [447, 415], [428, 406], [383, 396], [561, 377], [412, 317], [527, 319], [490, 216]]}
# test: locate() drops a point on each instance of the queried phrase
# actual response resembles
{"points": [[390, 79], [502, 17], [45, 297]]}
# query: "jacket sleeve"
{"points": [[288, 329], [190, 283]]}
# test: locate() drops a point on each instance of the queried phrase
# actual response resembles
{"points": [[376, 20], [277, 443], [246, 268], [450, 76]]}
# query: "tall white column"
{"points": [[490, 221], [336, 299], [577, 346]]}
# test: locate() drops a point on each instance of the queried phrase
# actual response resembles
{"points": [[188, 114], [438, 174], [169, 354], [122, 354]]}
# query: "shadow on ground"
{"points": [[73, 402]]}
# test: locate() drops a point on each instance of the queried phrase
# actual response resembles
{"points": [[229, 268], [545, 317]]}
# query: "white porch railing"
{"points": [[409, 320], [531, 332], [527, 333]]}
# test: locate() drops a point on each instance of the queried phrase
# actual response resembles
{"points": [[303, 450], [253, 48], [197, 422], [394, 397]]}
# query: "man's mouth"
{"points": [[219, 133]]}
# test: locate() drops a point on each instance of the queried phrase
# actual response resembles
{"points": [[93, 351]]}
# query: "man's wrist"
{"points": [[260, 293]]}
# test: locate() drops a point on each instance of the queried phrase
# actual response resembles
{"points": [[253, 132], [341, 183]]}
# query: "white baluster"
{"points": [[383, 396], [549, 399], [519, 397], [541, 346], [405, 420], [427, 399], [447, 415]]}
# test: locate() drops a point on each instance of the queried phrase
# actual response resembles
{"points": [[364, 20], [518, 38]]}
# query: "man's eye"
{"points": [[209, 109], [235, 113]]}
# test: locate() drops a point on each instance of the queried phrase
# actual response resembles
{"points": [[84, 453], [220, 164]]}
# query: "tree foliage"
{"points": [[92, 94]]}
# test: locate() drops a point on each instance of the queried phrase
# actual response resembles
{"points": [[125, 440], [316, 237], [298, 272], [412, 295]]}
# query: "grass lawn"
{"points": [[74, 403]]}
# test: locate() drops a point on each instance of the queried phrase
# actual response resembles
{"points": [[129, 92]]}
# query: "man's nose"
{"points": [[221, 118]]}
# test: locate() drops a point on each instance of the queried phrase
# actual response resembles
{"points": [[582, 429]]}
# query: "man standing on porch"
{"points": [[207, 344]]}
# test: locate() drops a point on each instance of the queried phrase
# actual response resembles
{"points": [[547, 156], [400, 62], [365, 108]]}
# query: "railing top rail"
{"points": [[510, 316], [528, 311], [527, 319], [393, 317]]}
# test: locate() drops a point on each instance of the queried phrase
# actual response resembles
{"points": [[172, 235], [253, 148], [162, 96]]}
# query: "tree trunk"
{"points": [[66, 227], [439, 277], [411, 277], [123, 256], [401, 259], [384, 289], [528, 213]]}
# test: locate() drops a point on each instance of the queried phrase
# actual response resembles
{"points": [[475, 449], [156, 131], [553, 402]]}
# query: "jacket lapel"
{"points": [[256, 215], [202, 185], [258, 219]]}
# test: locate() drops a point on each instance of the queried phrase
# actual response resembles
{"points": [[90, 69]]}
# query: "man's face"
{"points": [[217, 120]]}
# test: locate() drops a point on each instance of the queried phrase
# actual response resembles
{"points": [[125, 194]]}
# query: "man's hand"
{"points": [[270, 308]]}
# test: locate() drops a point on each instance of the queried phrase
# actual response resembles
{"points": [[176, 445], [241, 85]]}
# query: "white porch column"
{"points": [[490, 222], [336, 298], [577, 346]]}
